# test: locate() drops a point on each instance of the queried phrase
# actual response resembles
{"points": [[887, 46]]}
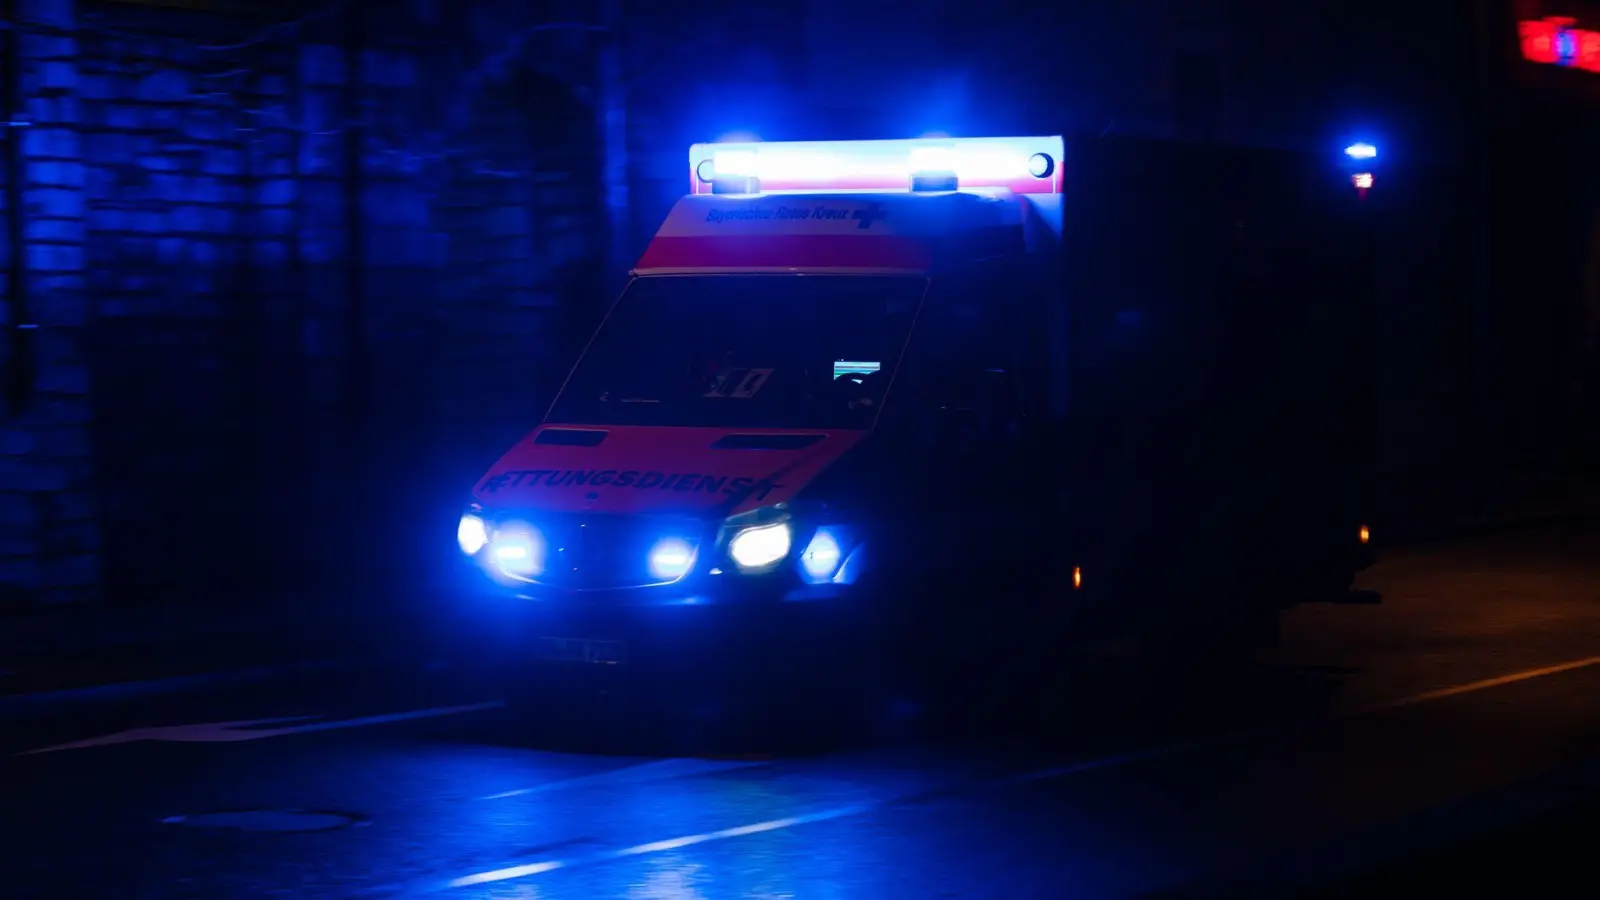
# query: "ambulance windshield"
{"points": [[744, 351]]}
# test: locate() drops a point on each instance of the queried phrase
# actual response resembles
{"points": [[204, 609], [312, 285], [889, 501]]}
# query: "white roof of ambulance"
{"points": [[849, 206]]}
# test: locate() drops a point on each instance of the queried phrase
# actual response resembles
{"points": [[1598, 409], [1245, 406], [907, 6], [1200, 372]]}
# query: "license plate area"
{"points": [[582, 651]]}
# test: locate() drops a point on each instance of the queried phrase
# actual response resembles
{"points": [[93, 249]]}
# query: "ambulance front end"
{"points": [[712, 453]]}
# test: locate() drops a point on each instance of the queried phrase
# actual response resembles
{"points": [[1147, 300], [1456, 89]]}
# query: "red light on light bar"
{"points": [[1557, 41]]}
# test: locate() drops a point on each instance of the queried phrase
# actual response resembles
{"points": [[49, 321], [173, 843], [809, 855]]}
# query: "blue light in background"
{"points": [[1361, 151]]}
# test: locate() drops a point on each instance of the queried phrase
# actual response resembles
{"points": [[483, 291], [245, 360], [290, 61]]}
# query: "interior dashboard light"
{"points": [[758, 547]]}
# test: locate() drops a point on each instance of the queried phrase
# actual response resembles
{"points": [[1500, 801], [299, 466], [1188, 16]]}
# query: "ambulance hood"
{"points": [[643, 469]]}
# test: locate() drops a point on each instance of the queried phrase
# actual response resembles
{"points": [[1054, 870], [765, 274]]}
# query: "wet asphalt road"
{"points": [[1376, 730]]}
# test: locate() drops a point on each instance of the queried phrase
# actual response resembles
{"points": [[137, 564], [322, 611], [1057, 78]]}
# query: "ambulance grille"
{"points": [[599, 552]]}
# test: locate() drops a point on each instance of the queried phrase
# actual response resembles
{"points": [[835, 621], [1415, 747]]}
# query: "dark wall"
{"points": [[304, 269], [1547, 135], [49, 535]]}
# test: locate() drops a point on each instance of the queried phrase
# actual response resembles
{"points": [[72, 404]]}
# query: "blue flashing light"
{"points": [[517, 551], [735, 164], [1361, 151], [821, 558], [1017, 163], [933, 159], [671, 559]]}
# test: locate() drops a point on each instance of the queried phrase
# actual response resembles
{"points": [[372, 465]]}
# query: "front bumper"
{"points": [[730, 619]]}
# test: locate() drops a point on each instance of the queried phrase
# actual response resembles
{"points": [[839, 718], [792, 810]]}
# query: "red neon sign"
{"points": [[1557, 41]]}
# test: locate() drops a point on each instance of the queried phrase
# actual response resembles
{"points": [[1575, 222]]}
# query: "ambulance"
{"points": [[957, 393]]}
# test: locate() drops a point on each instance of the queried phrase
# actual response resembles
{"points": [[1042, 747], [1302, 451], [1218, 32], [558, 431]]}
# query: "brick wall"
{"points": [[299, 271], [49, 542], [188, 220]]}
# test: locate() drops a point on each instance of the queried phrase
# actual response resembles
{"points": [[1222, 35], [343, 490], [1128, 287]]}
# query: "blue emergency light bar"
{"points": [[1023, 165]]}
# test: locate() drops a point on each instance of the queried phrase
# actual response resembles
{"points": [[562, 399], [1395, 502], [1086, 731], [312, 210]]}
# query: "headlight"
{"points": [[760, 546], [471, 534]]}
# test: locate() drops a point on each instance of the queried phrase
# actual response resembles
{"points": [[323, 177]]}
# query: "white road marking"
{"points": [[242, 730], [1485, 684], [205, 733], [655, 770], [659, 846], [1091, 765]]}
